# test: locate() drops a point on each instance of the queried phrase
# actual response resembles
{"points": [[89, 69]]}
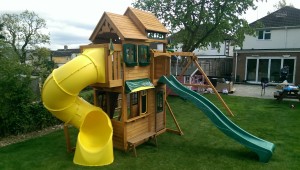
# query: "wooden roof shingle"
{"points": [[121, 24], [147, 20], [125, 26], [134, 24]]}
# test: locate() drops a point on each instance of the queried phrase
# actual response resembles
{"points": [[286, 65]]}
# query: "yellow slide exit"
{"points": [[60, 96]]}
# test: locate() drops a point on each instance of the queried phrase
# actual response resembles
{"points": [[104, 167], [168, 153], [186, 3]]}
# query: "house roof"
{"points": [[286, 16], [132, 25], [65, 52]]}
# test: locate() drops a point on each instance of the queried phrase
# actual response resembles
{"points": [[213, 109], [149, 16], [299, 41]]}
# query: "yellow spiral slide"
{"points": [[60, 96]]}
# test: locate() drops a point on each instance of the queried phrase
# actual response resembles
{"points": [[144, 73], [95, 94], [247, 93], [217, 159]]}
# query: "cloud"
{"points": [[68, 22]]}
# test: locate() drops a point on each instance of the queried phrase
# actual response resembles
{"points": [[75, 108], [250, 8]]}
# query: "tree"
{"points": [[23, 32], [1, 28], [42, 66], [198, 23], [281, 4]]}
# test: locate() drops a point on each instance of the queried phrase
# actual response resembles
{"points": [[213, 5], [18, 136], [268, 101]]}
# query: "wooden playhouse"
{"points": [[131, 96]]}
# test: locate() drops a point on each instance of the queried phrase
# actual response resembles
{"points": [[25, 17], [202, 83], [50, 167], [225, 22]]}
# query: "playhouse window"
{"points": [[159, 101], [138, 104], [134, 98], [155, 35], [144, 55], [143, 101], [129, 55], [133, 109]]}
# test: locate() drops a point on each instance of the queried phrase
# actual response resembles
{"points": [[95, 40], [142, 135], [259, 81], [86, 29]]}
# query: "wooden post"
{"points": [[67, 136], [211, 85], [173, 116]]}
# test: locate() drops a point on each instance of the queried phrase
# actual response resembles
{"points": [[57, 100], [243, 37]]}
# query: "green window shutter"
{"points": [[129, 55], [144, 55]]}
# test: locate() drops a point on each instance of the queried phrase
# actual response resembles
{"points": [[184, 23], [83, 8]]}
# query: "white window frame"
{"points": [[265, 32], [269, 64]]}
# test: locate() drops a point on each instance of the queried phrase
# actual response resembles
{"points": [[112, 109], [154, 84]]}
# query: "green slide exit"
{"points": [[262, 148]]}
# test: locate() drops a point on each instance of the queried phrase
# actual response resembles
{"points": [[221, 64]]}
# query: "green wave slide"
{"points": [[262, 148]]}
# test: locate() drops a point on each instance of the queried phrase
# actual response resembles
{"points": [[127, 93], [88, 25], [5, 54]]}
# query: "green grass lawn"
{"points": [[202, 146]]}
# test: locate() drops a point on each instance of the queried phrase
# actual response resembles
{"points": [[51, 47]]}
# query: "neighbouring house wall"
{"points": [[280, 39], [211, 51], [241, 63]]}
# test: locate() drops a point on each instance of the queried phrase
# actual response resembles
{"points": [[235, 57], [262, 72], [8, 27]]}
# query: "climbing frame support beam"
{"points": [[211, 85], [179, 131]]}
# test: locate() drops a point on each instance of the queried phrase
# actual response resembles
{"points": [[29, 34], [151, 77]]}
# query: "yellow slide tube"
{"points": [[60, 96]]}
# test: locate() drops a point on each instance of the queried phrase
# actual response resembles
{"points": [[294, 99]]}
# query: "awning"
{"points": [[138, 85]]}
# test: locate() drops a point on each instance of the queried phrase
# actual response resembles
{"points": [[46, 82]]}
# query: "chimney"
{"points": [[65, 47]]}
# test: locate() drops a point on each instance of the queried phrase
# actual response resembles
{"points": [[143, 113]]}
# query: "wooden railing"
{"points": [[114, 70], [113, 66]]}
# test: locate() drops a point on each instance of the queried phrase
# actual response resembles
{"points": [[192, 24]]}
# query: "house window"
{"points": [[144, 55], [264, 34], [129, 55], [269, 67]]}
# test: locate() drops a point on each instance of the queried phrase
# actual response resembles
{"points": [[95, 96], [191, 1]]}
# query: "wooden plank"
{"points": [[137, 72], [118, 134], [83, 47], [108, 68], [119, 65], [160, 121], [133, 142], [115, 67], [115, 83], [141, 137], [131, 134], [139, 123], [184, 54], [137, 127]]}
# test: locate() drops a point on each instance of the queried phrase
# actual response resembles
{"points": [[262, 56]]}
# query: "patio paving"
{"points": [[253, 91]]}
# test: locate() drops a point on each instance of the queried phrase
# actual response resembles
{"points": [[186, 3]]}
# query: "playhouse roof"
{"points": [[146, 19], [134, 24]]}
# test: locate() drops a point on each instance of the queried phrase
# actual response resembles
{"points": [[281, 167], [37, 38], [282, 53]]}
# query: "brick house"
{"points": [[276, 44]]}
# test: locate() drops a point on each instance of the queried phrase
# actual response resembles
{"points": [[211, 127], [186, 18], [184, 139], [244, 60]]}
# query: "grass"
{"points": [[202, 146]]}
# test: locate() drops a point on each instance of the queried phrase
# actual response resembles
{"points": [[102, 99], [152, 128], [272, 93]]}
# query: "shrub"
{"points": [[18, 113]]}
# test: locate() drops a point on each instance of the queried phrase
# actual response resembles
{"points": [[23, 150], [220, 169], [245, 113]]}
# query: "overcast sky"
{"points": [[71, 22]]}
